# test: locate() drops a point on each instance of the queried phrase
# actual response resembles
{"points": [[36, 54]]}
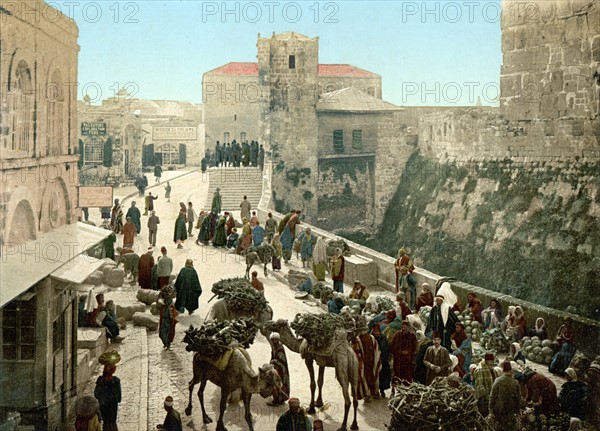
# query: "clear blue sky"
{"points": [[427, 52]]}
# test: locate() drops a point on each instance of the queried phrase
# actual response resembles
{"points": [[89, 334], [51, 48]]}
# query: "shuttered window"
{"points": [[338, 141]]}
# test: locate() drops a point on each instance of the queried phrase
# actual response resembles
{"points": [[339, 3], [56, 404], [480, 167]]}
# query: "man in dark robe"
{"points": [[134, 213], [425, 298], [294, 419], [187, 288], [279, 361], [204, 234], [180, 231], [172, 420], [109, 246], [505, 400], [216, 202], [403, 347], [443, 321], [220, 238], [145, 266], [283, 222], [385, 375]]}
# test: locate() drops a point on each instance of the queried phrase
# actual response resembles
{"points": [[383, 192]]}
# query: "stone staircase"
{"points": [[234, 183]]}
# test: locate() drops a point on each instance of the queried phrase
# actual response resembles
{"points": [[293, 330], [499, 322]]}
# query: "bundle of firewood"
{"points": [[436, 407], [240, 295], [212, 339]]}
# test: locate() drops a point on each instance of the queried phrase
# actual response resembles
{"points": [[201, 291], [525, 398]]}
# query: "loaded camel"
{"points": [[236, 375], [339, 356]]}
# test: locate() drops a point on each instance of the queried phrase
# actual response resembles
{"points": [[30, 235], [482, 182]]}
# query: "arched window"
{"points": [[93, 151], [243, 137], [54, 116], [20, 105], [226, 137]]}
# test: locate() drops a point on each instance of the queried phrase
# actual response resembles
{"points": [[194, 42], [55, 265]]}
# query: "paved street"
{"points": [[148, 373]]}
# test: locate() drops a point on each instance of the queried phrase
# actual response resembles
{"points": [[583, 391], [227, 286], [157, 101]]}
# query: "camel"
{"points": [[263, 254], [220, 312], [341, 357], [236, 375]]}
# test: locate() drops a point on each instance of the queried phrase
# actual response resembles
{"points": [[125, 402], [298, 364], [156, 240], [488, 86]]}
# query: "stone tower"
{"points": [[288, 78]]}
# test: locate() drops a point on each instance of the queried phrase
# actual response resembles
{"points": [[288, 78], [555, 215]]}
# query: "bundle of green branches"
{"points": [[384, 303], [435, 407], [319, 329], [212, 339], [240, 295], [320, 289]]}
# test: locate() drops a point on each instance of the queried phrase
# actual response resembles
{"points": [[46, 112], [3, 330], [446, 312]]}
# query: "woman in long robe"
{"points": [[145, 266], [128, 233], [230, 224], [168, 319], [288, 236], [279, 362], [220, 238], [134, 213], [320, 259], [385, 375], [462, 347], [180, 231]]}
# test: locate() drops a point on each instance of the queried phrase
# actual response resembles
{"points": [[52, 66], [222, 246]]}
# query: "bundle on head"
{"points": [[212, 339], [435, 407], [240, 295]]}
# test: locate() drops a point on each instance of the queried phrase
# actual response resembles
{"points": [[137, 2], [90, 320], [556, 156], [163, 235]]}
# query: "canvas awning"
{"points": [[23, 265]]}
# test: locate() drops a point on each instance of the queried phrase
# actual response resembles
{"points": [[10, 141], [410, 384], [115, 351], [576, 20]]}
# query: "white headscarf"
{"points": [[320, 251], [449, 300]]}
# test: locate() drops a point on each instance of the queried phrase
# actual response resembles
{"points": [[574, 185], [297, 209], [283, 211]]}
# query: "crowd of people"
{"points": [[393, 350], [235, 155]]}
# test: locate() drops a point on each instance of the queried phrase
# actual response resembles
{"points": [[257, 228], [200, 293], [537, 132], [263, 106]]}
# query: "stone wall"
{"points": [[484, 133], [551, 59], [231, 104], [293, 143]]}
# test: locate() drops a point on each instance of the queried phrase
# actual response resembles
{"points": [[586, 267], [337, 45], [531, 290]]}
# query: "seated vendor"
{"points": [[232, 239]]}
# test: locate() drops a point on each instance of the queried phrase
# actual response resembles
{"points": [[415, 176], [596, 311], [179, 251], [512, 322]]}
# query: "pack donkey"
{"points": [[263, 254]]}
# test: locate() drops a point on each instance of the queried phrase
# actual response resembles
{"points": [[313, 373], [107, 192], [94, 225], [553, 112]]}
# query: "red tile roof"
{"points": [[251, 69], [344, 70], [235, 68]]}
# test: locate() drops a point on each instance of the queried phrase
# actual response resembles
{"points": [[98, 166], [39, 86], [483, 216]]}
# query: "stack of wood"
{"points": [[319, 329], [240, 296], [213, 338], [436, 407]]}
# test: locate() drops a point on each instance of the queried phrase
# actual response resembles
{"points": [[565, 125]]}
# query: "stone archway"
{"points": [[55, 210], [20, 223]]}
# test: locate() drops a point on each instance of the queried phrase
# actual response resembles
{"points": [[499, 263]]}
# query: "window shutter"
{"points": [[80, 152], [182, 155], [107, 153]]}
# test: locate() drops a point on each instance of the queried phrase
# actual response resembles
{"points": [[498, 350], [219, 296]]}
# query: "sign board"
{"points": [[174, 133], [95, 197], [93, 129]]}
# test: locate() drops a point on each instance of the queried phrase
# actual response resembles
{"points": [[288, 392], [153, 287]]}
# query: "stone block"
{"points": [[147, 320], [508, 40], [115, 277], [95, 278], [155, 309], [93, 339], [147, 296], [360, 268], [549, 108], [107, 268], [127, 311]]}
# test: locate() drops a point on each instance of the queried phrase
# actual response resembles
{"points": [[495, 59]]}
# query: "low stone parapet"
{"points": [[93, 339]]}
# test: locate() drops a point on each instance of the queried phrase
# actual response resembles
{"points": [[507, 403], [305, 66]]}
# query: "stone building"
{"points": [[123, 137], [297, 108], [42, 243]]}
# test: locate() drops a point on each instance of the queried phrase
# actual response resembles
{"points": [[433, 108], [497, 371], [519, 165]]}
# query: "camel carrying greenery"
{"points": [[236, 374], [338, 355]]}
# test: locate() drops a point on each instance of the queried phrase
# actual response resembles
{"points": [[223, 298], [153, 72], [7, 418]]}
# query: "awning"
{"points": [[23, 265], [77, 270]]}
